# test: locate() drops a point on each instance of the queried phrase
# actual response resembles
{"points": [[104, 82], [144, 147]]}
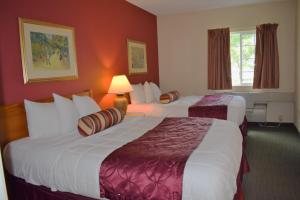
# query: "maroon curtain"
{"points": [[266, 71], [219, 64]]}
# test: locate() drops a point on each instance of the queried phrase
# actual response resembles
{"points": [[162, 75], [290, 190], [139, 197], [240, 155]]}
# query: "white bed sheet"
{"points": [[71, 163], [236, 108]]}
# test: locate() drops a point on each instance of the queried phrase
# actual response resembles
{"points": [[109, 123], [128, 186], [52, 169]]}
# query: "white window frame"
{"points": [[252, 31]]}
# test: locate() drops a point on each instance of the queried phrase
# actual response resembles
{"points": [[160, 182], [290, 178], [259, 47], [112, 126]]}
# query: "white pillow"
{"points": [[42, 119], [156, 91], [137, 95], [68, 114], [148, 92], [85, 105]]}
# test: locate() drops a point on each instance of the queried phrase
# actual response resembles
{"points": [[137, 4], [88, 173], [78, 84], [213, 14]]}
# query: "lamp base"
{"points": [[121, 103]]}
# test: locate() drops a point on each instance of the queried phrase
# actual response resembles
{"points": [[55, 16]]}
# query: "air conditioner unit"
{"points": [[257, 114], [269, 106]]}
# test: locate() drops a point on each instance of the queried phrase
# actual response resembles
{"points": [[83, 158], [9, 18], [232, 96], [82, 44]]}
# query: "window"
{"points": [[242, 50]]}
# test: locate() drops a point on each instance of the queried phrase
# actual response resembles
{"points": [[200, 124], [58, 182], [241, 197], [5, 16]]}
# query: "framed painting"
{"points": [[48, 51], [137, 57]]}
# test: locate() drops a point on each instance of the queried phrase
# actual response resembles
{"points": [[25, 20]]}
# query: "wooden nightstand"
{"points": [[135, 114]]}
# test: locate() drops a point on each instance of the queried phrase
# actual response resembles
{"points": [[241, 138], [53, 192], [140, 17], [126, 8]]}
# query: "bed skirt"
{"points": [[244, 128], [18, 189]]}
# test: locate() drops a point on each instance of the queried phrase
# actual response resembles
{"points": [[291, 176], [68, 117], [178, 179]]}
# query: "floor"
{"points": [[274, 158]]}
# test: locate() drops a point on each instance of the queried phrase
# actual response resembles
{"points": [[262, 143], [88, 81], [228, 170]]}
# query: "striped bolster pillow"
{"points": [[169, 97], [96, 122]]}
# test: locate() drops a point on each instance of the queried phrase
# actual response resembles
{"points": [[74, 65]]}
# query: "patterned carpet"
{"points": [[274, 157]]}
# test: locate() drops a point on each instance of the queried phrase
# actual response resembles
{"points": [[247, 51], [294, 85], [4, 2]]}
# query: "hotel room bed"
{"points": [[235, 111], [71, 163], [180, 108]]}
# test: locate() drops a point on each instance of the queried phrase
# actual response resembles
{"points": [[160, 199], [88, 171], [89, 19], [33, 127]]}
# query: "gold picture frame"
{"points": [[137, 57], [48, 51]]}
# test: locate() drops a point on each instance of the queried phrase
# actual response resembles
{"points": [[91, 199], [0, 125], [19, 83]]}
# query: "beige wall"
{"points": [[298, 70], [182, 43]]}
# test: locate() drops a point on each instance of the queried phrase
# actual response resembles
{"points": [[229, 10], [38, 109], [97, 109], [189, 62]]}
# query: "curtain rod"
{"points": [[239, 28], [235, 28]]}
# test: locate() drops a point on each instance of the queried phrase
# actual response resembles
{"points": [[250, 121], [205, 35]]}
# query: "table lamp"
{"points": [[119, 86]]}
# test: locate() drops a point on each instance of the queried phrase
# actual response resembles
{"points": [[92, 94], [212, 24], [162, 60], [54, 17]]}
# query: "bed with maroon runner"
{"points": [[215, 106], [158, 164]]}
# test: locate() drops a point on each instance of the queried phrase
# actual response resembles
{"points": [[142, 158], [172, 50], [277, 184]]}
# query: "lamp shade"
{"points": [[119, 85]]}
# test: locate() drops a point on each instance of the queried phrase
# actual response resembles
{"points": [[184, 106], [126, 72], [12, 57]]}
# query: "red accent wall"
{"points": [[101, 27]]}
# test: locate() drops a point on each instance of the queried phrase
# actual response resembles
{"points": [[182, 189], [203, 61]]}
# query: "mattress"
{"points": [[236, 108], [71, 163]]}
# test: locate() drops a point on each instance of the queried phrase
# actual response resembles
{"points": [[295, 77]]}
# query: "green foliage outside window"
{"points": [[242, 49]]}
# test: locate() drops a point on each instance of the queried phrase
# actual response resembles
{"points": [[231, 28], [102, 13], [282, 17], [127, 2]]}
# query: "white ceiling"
{"points": [[164, 7]]}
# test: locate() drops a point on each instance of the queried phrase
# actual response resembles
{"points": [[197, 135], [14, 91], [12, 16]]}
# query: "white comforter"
{"points": [[236, 108], [71, 163]]}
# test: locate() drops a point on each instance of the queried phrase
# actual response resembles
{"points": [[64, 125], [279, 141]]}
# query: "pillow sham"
{"points": [[156, 91], [149, 96], [68, 114], [42, 119], [99, 121], [85, 105], [169, 97], [137, 95]]}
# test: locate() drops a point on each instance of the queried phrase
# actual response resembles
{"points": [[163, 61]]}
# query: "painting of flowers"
{"points": [[48, 51]]}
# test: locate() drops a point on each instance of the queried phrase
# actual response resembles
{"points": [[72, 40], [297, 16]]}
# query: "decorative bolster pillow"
{"points": [[169, 97], [96, 122]]}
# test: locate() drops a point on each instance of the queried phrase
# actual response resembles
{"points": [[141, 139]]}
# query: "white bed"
{"points": [[179, 108], [71, 163]]}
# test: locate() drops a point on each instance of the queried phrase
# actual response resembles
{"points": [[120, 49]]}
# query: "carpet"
{"points": [[274, 158]]}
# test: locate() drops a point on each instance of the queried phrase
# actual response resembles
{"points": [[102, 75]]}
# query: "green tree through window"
{"points": [[242, 50]]}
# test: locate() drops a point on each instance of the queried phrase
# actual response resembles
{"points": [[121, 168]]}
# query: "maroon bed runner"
{"points": [[212, 106], [152, 166]]}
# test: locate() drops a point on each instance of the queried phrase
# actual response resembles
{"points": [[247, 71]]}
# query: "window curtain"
{"points": [[266, 71], [219, 64]]}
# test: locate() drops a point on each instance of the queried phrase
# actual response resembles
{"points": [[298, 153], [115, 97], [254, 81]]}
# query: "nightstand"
{"points": [[135, 114]]}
